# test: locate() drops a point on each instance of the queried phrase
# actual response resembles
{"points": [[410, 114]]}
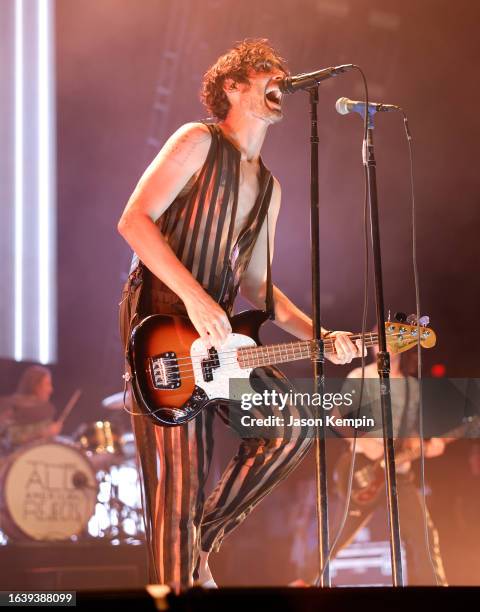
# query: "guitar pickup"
{"points": [[164, 371], [209, 364]]}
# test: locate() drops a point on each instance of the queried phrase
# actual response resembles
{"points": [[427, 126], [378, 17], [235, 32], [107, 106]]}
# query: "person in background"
{"points": [[405, 411], [28, 415]]}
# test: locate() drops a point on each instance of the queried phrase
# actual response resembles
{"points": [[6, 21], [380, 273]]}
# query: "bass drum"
{"points": [[49, 491]]}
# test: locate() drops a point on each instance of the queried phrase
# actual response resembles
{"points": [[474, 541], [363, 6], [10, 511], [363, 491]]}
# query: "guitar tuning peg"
{"points": [[412, 319], [424, 321], [401, 317]]}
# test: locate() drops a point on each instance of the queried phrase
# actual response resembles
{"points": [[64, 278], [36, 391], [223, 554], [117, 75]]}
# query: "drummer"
{"points": [[28, 414]]}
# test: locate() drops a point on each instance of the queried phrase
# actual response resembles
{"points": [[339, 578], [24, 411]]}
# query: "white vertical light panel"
{"points": [[27, 182], [46, 189], [18, 110]]}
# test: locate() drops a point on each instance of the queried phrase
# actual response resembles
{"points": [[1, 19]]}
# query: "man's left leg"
{"points": [[259, 465]]}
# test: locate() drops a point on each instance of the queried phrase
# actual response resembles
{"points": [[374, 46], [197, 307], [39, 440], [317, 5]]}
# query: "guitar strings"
{"points": [[234, 353], [262, 352], [272, 347], [181, 371], [328, 343], [177, 374]]}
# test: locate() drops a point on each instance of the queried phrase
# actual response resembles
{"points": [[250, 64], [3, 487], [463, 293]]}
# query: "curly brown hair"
{"points": [[250, 54]]}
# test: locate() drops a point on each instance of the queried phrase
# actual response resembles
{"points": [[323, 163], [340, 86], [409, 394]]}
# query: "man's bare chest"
{"points": [[248, 190]]}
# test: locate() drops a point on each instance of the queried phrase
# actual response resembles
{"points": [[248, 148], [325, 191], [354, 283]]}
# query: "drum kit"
{"points": [[73, 488]]}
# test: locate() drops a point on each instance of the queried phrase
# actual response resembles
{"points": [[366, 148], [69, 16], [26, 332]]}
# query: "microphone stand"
{"points": [[383, 363], [318, 357]]}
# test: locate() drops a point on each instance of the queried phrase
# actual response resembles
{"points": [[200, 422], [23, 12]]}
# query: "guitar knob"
{"points": [[424, 321], [401, 317]]}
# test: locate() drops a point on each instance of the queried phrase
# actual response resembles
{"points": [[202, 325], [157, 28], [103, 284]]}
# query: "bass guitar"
{"points": [[174, 376]]}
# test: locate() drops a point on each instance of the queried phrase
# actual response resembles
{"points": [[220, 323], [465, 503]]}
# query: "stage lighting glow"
{"points": [[438, 370], [18, 183], [28, 232], [45, 195]]}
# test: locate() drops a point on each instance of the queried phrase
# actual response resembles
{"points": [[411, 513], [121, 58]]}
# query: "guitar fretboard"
{"points": [[270, 354]]}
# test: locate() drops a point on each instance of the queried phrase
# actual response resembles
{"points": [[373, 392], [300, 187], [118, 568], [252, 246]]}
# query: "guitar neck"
{"points": [[451, 436], [271, 354]]}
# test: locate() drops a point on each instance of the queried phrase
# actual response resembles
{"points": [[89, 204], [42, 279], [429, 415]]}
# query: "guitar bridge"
{"points": [[164, 371]]}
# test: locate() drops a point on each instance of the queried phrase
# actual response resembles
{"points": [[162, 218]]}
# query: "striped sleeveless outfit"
{"points": [[175, 461]]}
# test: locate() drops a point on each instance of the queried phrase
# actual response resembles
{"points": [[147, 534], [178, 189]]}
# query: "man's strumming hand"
{"points": [[208, 318]]}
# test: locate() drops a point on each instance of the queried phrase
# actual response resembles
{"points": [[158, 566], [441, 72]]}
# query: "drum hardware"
{"points": [[101, 441], [118, 515], [114, 511], [128, 445], [100, 468], [116, 401]]}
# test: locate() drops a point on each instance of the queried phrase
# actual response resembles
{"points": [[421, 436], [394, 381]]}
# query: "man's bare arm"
{"points": [[181, 158]]}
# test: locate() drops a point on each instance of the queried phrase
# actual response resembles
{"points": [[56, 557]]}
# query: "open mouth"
{"points": [[273, 99]]}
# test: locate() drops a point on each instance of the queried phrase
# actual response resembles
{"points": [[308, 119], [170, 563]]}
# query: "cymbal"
{"points": [[115, 401]]}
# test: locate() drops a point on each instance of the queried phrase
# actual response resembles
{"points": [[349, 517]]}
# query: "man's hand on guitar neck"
{"points": [[434, 447], [345, 349], [372, 448]]}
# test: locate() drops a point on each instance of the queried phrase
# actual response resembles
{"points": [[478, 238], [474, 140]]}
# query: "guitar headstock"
{"points": [[402, 334]]}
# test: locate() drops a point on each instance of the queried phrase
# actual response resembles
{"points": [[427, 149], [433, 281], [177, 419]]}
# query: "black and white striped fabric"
{"points": [[186, 522], [200, 227]]}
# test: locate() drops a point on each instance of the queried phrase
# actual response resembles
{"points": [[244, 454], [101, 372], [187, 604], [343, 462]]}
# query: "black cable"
{"points": [[419, 351], [419, 373]]}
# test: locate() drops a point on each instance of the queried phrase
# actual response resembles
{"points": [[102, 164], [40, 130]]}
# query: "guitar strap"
{"points": [[269, 303]]}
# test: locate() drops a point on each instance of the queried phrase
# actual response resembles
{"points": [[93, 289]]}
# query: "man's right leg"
{"points": [[173, 461], [184, 455]]}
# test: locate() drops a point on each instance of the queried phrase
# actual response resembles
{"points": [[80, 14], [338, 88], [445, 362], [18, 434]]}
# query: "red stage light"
{"points": [[438, 370]]}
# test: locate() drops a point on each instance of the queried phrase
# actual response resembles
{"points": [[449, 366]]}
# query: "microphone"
{"points": [[310, 79], [345, 106]]}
